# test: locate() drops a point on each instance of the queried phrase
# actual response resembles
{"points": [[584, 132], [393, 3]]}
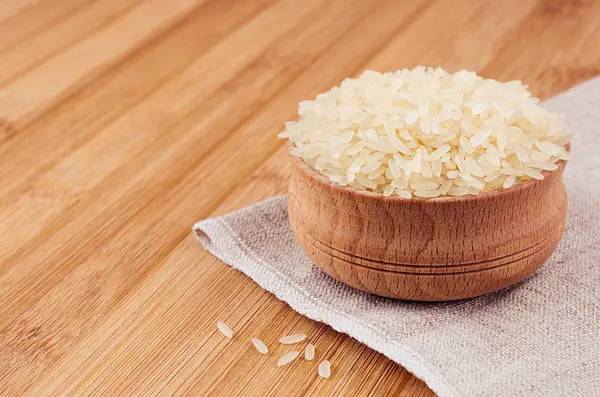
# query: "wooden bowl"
{"points": [[434, 249]]}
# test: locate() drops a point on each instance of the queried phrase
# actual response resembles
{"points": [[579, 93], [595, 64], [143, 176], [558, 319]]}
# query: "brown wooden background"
{"points": [[122, 122]]}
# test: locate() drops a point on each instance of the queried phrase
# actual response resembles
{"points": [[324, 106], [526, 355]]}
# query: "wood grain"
{"points": [[118, 132]]}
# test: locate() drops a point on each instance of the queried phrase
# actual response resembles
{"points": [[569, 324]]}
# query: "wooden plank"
{"points": [[172, 101], [86, 113], [107, 151], [550, 55], [61, 188], [74, 27], [10, 8], [128, 304], [451, 36], [34, 20], [31, 94]]}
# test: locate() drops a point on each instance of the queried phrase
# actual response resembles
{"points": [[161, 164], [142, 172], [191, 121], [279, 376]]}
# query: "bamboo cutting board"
{"points": [[122, 122]]}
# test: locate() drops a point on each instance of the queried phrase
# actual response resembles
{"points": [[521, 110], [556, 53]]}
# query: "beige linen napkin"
{"points": [[539, 338]]}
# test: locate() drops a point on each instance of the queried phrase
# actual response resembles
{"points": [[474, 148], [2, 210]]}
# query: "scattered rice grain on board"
{"points": [[225, 330], [292, 339], [325, 369], [287, 358], [260, 346], [309, 352]]}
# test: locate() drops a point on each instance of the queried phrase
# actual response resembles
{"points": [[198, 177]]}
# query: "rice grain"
{"points": [[287, 358], [225, 330], [292, 339], [260, 346], [325, 369], [309, 352]]}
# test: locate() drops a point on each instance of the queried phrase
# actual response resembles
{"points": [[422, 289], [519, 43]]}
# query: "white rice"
{"points": [[225, 330], [309, 352], [427, 133], [325, 369], [287, 358], [292, 339], [260, 346]]}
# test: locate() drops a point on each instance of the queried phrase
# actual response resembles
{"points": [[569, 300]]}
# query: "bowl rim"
{"points": [[299, 163]]}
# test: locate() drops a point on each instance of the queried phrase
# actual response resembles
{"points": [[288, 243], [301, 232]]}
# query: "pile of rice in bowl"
{"points": [[427, 133]]}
